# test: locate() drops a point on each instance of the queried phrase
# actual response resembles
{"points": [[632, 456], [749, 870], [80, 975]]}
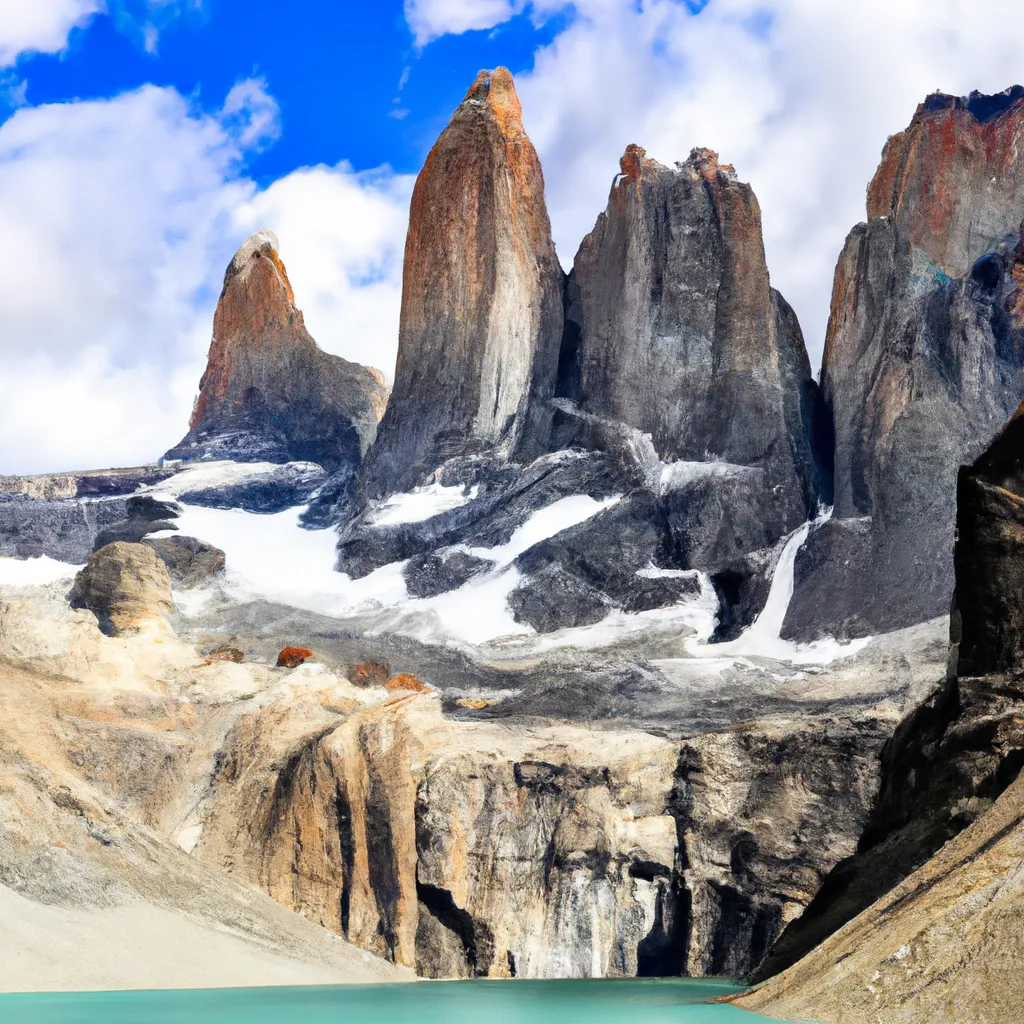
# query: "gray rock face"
{"points": [[189, 561], [269, 394], [481, 300], [923, 363], [679, 335], [60, 515], [273, 490], [480, 850]]}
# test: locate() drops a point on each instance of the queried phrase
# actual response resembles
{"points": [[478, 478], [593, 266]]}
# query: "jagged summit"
{"points": [[497, 89], [981, 106], [268, 392], [481, 300], [677, 333]]}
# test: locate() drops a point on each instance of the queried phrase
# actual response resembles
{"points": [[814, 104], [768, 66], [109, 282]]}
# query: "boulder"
{"points": [[293, 657], [191, 562], [127, 587]]}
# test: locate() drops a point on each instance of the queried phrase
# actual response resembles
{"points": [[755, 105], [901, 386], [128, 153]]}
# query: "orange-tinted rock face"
{"points": [[953, 181], [481, 301], [407, 681], [268, 392], [292, 657]]}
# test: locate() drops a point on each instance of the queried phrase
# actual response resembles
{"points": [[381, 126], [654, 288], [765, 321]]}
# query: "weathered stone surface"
{"points": [[501, 506], [268, 489], [127, 587], [441, 571], [989, 558], [269, 394], [369, 673], [953, 756], [680, 335], [292, 657], [944, 945], [64, 529], [481, 300], [189, 561], [144, 515], [924, 358], [473, 849]]}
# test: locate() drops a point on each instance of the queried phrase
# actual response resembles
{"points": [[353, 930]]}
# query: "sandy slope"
{"points": [[139, 945]]}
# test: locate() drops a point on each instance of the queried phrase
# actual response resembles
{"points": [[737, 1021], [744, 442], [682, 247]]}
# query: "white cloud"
{"points": [[40, 25], [799, 94], [342, 239], [117, 218], [429, 19]]}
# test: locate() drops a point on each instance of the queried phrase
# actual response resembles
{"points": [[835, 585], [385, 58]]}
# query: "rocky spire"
{"points": [[681, 335], [481, 302], [268, 392], [924, 360]]}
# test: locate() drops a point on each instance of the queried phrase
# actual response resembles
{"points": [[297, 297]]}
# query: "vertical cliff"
{"points": [[680, 335], [481, 299], [268, 392], [924, 360]]}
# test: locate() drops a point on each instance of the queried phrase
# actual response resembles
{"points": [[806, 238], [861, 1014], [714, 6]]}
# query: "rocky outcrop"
{"points": [[127, 587], [989, 558], [957, 753], [269, 394], [677, 333], [944, 945], [924, 360], [481, 300], [472, 849], [190, 562]]}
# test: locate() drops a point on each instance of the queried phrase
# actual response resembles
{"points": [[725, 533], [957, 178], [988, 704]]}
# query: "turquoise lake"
{"points": [[668, 1001]]}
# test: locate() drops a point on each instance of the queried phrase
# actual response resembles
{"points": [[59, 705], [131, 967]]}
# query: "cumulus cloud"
{"points": [[342, 238], [430, 19], [118, 217], [799, 94], [40, 25]]}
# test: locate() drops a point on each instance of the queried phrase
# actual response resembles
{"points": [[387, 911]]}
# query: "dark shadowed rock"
{"points": [[481, 300], [923, 359], [441, 571], [269, 394], [680, 335], [503, 504], [144, 515], [953, 756], [272, 490], [551, 599], [127, 587], [190, 562]]}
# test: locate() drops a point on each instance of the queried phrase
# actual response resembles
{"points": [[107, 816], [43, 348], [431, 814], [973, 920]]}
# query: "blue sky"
{"points": [[349, 80], [141, 141]]}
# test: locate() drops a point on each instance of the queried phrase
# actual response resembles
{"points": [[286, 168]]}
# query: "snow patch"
{"points": [[272, 557], [34, 572], [763, 637], [201, 476], [420, 504]]}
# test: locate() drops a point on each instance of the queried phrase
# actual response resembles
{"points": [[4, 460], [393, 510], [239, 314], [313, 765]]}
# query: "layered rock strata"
{"points": [[924, 360], [269, 394], [481, 313], [676, 332], [471, 849]]}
